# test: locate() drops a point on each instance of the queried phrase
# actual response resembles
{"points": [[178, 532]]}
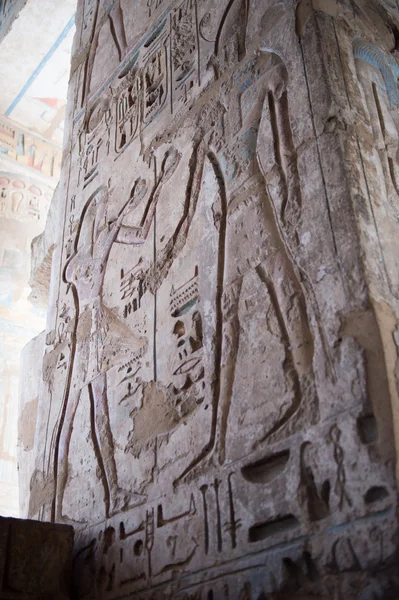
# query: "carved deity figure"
{"points": [[261, 138]]}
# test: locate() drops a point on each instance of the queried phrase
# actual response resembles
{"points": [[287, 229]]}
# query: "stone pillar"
{"points": [[42, 249], [24, 201], [220, 402], [29, 171]]}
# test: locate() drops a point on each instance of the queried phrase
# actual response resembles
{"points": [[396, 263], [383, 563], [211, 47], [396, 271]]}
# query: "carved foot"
{"points": [[124, 500], [65, 520], [197, 467], [303, 408]]}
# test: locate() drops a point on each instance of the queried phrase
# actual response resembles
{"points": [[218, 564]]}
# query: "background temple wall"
{"points": [[35, 51]]}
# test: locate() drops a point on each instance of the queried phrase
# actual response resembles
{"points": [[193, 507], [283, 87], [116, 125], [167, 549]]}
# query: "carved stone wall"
{"points": [[219, 394], [42, 254], [9, 10]]}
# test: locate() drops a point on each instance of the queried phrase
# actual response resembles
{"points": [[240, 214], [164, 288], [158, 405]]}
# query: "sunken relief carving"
{"points": [[206, 371], [97, 330]]}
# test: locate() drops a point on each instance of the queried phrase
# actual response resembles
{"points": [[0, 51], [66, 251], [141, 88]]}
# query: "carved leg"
{"points": [[288, 302], [115, 498], [198, 158], [118, 30], [62, 449], [88, 68], [222, 387], [231, 337]]}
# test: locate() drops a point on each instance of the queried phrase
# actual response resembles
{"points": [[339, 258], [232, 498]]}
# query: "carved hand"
{"points": [[138, 193]]}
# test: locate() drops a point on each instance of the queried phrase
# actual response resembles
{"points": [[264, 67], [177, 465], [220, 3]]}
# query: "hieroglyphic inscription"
{"points": [[156, 83], [184, 44], [24, 147], [132, 288], [23, 201], [162, 540], [203, 346], [339, 455], [127, 112], [188, 369]]}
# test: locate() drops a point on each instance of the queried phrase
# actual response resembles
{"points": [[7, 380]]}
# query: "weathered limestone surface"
{"points": [[36, 560], [34, 71], [219, 399], [24, 200], [9, 10], [42, 254], [29, 390]]}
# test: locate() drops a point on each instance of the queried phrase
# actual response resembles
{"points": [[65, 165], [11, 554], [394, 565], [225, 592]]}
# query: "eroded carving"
{"points": [[97, 331], [202, 314]]}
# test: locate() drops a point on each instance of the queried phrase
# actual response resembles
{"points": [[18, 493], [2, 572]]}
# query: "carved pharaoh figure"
{"points": [[100, 341]]}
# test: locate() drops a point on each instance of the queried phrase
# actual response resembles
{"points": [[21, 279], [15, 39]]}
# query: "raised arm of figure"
{"points": [[177, 241], [169, 166], [129, 235]]}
